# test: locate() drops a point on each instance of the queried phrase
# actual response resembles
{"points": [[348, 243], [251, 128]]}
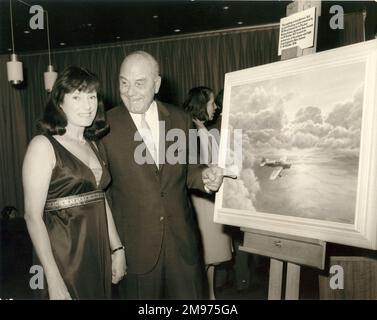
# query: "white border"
{"points": [[363, 233]]}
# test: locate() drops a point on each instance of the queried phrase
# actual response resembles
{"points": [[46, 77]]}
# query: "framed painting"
{"points": [[309, 147]]}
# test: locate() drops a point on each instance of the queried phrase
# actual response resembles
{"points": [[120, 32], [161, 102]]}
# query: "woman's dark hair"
{"points": [[54, 119], [196, 102]]}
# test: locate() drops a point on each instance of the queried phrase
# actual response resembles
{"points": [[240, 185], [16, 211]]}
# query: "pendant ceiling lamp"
{"points": [[14, 67], [50, 75]]}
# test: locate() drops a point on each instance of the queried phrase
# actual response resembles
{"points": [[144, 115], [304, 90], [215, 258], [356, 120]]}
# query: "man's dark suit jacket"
{"points": [[146, 200]]}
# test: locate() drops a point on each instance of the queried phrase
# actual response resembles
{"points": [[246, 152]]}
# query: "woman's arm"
{"points": [[208, 144], [118, 258], [36, 174]]}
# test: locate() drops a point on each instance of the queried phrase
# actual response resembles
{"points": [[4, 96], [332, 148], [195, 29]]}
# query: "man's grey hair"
{"points": [[147, 56]]}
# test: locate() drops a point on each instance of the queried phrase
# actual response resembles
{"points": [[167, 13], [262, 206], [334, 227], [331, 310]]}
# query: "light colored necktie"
{"points": [[148, 137]]}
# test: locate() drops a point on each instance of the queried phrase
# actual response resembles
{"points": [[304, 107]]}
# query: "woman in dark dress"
{"points": [[67, 215]]}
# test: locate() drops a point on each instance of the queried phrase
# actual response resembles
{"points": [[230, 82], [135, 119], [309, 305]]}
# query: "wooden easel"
{"points": [[295, 251]]}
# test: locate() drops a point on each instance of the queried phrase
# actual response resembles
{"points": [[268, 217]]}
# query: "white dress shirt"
{"points": [[151, 116]]}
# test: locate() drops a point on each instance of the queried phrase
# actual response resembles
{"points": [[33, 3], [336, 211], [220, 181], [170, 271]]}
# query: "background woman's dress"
{"points": [[217, 244], [79, 235]]}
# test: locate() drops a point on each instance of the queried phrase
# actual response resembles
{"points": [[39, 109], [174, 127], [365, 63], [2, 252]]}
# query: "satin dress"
{"points": [[79, 234]]}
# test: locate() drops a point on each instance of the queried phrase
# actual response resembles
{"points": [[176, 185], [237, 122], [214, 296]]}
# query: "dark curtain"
{"points": [[13, 142], [354, 29], [185, 62]]}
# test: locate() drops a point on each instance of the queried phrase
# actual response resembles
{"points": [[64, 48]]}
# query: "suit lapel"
{"points": [[129, 129]]}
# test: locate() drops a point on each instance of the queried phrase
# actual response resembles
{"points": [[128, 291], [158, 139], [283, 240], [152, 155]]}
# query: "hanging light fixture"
{"points": [[14, 67], [50, 75]]}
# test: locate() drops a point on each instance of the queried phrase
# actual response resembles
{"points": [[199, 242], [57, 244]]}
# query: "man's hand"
{"points": [[213, 177]]}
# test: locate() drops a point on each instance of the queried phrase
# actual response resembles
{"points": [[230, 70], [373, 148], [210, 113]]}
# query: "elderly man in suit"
{"points": [[150, 204]]}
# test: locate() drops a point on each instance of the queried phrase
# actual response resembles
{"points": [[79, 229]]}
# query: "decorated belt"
{"points": [[74, 201]]}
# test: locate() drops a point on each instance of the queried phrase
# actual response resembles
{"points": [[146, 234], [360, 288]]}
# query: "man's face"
{"points": [[138, 84]]}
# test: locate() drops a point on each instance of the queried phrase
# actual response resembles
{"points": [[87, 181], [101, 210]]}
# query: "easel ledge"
{"points": [[300, 250], [296, 251]]}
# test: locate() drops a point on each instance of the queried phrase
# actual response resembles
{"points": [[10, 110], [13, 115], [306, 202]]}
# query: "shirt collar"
{"points": [[150, 114], [152, 111]]}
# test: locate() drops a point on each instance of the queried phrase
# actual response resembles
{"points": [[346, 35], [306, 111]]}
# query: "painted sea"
{"points": [[316, 186]]}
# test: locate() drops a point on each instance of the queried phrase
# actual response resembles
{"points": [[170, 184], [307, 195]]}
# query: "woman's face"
{"points": [[211, 107], [80, 107]]}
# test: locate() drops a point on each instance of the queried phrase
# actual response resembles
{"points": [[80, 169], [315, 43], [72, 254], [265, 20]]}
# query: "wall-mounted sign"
{"points": [[297, 30]]}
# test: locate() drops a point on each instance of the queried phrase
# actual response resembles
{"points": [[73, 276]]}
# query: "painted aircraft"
{"points": [[279, 166]]}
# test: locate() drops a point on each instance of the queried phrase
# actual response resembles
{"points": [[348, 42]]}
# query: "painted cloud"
{"points": [[268, 123]]}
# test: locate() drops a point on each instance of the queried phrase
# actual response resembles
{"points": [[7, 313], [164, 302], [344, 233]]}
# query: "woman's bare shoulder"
{"points": [[40, 147]]}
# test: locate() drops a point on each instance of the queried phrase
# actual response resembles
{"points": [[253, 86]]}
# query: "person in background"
{"points": [[217, 245], [244, 263], [67, 215]]}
